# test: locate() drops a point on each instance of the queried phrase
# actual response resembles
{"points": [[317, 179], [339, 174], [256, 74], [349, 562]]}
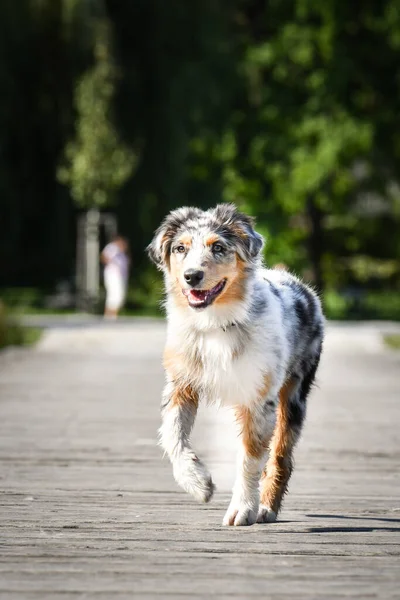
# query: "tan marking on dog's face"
{"points": [[176, 271], [232, 270], [234, 289], [197, 250], [211, 239], [185, 239]]}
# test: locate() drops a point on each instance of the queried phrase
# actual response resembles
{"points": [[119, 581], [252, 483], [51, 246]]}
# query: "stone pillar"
{"points": [[92, 257], [87, 260]]}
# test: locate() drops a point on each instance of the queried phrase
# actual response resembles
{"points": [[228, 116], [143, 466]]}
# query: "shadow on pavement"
{"points": [[384, 519]]}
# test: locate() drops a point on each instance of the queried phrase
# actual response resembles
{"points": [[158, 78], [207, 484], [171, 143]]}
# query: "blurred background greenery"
{"points": [[289, 108]]}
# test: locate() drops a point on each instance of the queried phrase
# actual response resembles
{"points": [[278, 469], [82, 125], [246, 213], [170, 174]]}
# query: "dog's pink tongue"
{"points": [[198, 294]]}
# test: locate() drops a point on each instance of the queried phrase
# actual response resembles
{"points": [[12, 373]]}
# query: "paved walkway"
{"points": [[88, 509]]}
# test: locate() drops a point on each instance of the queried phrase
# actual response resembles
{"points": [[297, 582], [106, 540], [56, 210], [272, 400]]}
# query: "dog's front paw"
{"points": [[193, 477], [238, 515], [266, 515]]}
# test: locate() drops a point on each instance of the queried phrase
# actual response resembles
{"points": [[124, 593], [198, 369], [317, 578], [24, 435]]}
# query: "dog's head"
{"points": [[206, 255]]}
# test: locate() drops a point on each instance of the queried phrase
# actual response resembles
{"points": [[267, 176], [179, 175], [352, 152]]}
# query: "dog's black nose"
{"points": [[193, 276]]}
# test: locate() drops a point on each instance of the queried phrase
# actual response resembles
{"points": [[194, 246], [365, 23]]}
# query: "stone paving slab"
{"points": [[88, 508]]}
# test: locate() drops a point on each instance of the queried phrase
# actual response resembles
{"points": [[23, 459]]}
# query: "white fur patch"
{"points": [[266, 515]]}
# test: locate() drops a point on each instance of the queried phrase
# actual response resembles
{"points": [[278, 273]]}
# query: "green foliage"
{"points": [[12, 333], [301, 148], [21, 298], [290, 109], [145, 296], [392, 341], [97, 163], [362, 305]]}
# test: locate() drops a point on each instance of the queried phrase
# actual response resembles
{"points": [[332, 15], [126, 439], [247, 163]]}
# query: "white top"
{"points": [[117, 260]]}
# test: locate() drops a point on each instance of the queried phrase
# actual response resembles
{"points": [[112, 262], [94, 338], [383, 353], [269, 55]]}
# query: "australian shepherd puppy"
{"points": [[238, 335]]}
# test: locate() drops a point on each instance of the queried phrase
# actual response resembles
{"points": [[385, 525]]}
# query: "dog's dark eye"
{"points": [[180, 249], [218, 249]]}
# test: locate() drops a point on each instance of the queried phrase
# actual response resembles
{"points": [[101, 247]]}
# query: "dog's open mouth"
{"points": [[203, 298]]}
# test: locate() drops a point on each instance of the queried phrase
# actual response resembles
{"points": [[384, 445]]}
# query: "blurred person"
{"points": [[115, 258]]}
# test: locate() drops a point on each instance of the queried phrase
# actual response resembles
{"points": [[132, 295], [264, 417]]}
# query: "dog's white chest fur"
{"points": [[230, 377], [231, 372]]}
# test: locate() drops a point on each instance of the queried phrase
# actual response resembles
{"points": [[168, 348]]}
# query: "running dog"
{"points": [[238, 335]]}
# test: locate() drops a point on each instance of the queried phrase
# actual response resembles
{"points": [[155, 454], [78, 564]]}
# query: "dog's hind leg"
{"points": [[290, 417], [256, 425], [179, 408]]}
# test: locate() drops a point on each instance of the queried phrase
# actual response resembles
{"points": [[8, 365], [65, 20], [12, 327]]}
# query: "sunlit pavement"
{"points": [[89, 508]]}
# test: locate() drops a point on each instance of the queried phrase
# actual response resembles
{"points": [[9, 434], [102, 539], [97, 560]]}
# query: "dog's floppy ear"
{"points": [[160, 247], [155, 248], [241, 226]]}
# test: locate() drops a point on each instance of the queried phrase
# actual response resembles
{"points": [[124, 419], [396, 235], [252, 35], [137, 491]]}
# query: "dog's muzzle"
{"points": [[203, 298]]}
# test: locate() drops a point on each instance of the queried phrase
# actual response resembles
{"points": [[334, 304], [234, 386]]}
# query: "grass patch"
{"points": [[392, 341], [31, 335], [12, 333]]}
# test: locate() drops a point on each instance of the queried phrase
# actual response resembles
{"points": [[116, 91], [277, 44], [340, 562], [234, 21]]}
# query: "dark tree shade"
{"points": [[290, 108]]}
